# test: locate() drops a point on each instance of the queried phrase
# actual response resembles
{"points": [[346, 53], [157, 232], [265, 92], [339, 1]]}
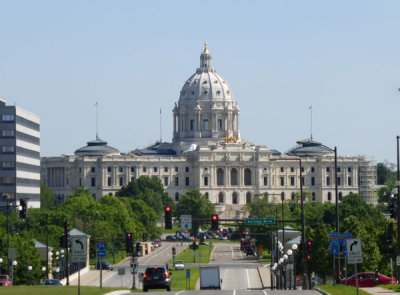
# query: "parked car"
{"points": [[156, 277], [158, 242], [179, 265], [5, 280], [52, 282], [155, 244], [369, 279], [104, 265], [170, 238]]}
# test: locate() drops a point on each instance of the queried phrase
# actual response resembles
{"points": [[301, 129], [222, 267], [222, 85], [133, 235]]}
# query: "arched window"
{"points": [[110, 194], [293, 196], [221, 197], [248, 197], [234, 198], [329, 196], [220, 176], [313, 196], [234, 176], [207, 196], [247, 176], [340, 196], [176, 197]]}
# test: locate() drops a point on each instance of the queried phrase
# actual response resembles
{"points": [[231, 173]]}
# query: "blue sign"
{"points": [[334, 242], [342, 242], [334, 235], [101, 253], [188, 273], [347, 235], [101, 246], [344, 251], [335, 251]]}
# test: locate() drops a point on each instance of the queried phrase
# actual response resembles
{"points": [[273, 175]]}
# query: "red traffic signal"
{"points": [[308, 257], [168, 217], [168, 208], [194, 240], [214, 222]]}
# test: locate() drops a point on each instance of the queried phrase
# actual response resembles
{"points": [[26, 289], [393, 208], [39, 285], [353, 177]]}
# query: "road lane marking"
{"points": [[248, 278], [179, 292], [264, 292], [234, 292], [233, 256]]}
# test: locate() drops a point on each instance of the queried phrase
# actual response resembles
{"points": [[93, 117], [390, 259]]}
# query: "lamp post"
{"points": [[303, 235], [44, 274], [285, 259], [14, 265], [289, 253], [1, 262], [30, 274], [294, 248]]}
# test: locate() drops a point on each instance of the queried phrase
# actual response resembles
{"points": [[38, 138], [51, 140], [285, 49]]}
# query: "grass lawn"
{"points": [[119, 256], [178, 279], [187, 255], [59, 290], [395, 288], [341, 290]]}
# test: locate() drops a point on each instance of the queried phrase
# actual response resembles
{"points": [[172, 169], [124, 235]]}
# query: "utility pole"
{"points": [[398, 206]]}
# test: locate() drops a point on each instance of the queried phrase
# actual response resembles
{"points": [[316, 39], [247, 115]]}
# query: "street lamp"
{"points": [[14, 264], [294, 248], [285, 258], [30, 274], [1, 262], [289, 253]]}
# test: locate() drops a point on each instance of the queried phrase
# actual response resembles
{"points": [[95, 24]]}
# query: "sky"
{"points": [[58, 58]]}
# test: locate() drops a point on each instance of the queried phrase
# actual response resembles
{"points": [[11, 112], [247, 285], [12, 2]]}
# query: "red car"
{"points": [[368, 279], [5, 280]]}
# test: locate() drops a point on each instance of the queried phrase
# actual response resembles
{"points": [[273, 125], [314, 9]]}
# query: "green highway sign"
{"points": [[259, 221]]}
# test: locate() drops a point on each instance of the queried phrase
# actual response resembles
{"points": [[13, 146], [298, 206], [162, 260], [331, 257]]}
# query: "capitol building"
{"points": [[208, 154]]}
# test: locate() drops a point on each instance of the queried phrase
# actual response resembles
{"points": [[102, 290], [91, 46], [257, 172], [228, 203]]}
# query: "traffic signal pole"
{"points": [[398, 206]]}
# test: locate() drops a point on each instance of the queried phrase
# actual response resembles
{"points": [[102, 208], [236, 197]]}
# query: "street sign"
{"points": [[186, 221], [334, 235], [101, 246], [78, 249], [335, 251], [398, 260], [347, 235], [259, 221], [354, 251], [101, 253], [121, 271], [334, 242], [188, 273]]}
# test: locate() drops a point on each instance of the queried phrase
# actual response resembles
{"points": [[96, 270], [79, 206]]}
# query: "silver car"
{"points": [[179, 264]]}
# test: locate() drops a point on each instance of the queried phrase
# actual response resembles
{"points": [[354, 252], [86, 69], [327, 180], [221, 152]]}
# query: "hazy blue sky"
{"points": [[57, 58]]}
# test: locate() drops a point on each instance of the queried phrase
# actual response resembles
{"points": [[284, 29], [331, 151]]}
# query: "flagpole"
{"points": [[97, 120], [160, 128], [311, 120]]}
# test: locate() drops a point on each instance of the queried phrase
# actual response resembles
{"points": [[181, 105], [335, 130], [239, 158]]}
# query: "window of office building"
{"points": [[176, 197], [206, 195], [338, 169], [265, 180], [302, 169], [329, 196], [312, 181], [328, 181], [293, 196], [302, 180], [165, 180], [132, 178], [327, 169], [155, 169], [248, 197], [165, 169], [191, 124], [176, 181], [205, 180], [349, 169], [144, 169], [176, 169], [349, 182], [339, 181], [292, 181], [121, 169], [93, 181], [187, 169], [282, 181], [8, 181], [108, 169], [93, 169], [219, 124], [221, 198], [8, 149], [109, 181], [121, 181], [187, 181], [282, 169], [132, 169], [291, 169], [312, 169], [7, 133], [7, 118], [313, 196], [8, 165], [340, 196]]}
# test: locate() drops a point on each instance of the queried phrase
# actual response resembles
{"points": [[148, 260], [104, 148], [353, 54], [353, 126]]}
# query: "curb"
{"points": [[321, 291]]}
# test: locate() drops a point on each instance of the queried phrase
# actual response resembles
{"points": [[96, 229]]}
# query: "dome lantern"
{"points": [[205, 58]]}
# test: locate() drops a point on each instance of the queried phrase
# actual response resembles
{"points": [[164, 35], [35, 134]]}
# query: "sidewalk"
{"points": [[378, 291]]}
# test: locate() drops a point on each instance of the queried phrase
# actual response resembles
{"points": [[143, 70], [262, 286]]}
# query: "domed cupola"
{"points": [[96, 147], [206, 110]]}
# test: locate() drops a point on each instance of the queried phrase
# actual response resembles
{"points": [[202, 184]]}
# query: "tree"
{"points": [[47, 197], [384, 174], [195, 204]]}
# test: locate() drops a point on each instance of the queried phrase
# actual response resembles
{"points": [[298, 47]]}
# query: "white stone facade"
{"points": [[207, 153]]}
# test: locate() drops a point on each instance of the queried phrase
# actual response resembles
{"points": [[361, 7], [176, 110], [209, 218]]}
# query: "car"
{"points": [[104, 265], [158, 242], [5, 280], [52, 282], [170, 238], [179, 265], [155, 244], [250, 251], [369, 279], [156, 277]]}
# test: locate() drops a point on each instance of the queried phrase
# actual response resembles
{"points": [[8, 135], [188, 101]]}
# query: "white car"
{"points": [[179, 264]]}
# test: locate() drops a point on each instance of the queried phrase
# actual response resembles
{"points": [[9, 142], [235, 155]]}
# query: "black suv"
{"points": [[105, 265], [156, 277]]}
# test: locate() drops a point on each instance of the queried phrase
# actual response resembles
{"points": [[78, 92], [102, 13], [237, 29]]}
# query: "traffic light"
{"points": [[224, 232], [138, 248], [309, 250], [66, 234], [243, 234], [129, 242], [63, 243], [214, 222], [168, 217], [24, 209]]}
